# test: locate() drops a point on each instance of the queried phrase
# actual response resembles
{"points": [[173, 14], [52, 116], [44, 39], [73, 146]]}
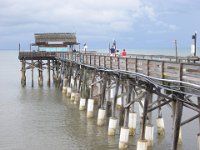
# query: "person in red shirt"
{"points": [[124, 53]]}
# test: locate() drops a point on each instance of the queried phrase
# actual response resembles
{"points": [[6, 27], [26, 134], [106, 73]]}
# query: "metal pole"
{"points": [[30, 47], [176, 50], [195, 43], [19, 47]]}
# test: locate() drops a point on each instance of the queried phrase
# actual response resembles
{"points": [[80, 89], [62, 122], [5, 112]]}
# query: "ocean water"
{"points": [[42, 118]]}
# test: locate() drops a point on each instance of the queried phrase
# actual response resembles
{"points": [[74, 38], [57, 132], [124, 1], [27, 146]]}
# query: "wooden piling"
{"points": [[198, 135], [113, 120], [103, 91], [198, 99], [126, 116], [160, 120], [32, 72], [40, 75], [149, 126], [53, 70], [146, 103], [49, 76], [124, 133], [23, 70], [80, 80], [177, 120], [115, 98]]}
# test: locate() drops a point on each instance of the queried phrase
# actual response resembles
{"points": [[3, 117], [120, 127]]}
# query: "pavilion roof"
{"points": [[55, 39]]}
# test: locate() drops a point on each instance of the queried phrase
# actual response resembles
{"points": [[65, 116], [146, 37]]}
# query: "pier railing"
{"points": [[188, 72], [36, 55]]}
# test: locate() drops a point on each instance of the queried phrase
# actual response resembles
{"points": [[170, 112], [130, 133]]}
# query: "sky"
{"points": [[134, 24]]}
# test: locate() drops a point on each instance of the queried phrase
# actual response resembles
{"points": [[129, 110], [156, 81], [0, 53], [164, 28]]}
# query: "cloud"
{"points": [[99, 19], [113, 14]]}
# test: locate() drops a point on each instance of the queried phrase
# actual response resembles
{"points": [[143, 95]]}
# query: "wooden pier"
{"points": [[118, 84]]}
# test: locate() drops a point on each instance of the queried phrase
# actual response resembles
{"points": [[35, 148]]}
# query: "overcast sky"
{"points": [[132, 23]]}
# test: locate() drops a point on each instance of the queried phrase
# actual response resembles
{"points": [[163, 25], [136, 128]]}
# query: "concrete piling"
{"points": [[132, 123], [160, 126], [64, 88], [112, 126], [142, 145], [77, 98], [90, 108], [82, 105], [124, 138], [101, 117], [149, 131]]}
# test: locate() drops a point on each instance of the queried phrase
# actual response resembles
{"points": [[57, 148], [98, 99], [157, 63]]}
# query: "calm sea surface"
{"points": [[43, 119]]}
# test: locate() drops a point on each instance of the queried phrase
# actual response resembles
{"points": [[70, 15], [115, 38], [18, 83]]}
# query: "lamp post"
{"points": [[19, 47], [175, 42], [30, 47], [195, 42]]}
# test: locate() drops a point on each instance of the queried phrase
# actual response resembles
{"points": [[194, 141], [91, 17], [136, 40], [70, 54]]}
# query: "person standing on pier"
{"points": [[112, 51], [113, 48], [124, 53], [85, 47]]}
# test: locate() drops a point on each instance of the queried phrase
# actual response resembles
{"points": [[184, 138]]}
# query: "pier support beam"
{"points": [[40, 75], [64, 88], [112, 126], [198, 99], [198, 141], [132, 116], [102, 112], [90, 108], [103, 90], [198, 135], [149, 127], [69, 87], [142, 144], [49, 76], [113, 120], [160, 120], [53, 74], [23, 70], [132, 123], [83, 100], [101, 117], [32, 73], [141, 109], [160, 126], [82, 105], [177, 120], [124, 132]]}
